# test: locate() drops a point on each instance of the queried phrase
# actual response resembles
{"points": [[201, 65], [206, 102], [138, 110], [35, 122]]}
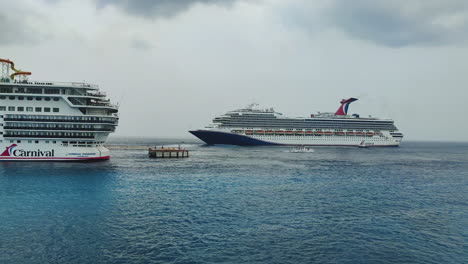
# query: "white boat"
{"points": [[301, 149], [52, 120], [251, 126], [363, 145]]}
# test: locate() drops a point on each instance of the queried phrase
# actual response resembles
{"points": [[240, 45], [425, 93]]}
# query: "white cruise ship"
{"points": [[52, 120], [251, 126]]}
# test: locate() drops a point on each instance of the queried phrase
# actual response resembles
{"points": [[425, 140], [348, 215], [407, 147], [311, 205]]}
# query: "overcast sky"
{"points": [[175, 64]]}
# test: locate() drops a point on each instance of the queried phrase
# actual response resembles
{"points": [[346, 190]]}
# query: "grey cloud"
{"points": [[403, 23], [395, 23], [140, 44], [158, 8], [15, 31]]}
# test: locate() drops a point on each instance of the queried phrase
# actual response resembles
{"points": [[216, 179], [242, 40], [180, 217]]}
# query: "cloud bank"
{"points": [[396, 23], [158, 8], [400, 23], [16, 31]]}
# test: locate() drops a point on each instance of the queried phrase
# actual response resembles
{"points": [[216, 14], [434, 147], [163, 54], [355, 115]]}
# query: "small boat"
{"points": [[363, 145], [301, 149]]}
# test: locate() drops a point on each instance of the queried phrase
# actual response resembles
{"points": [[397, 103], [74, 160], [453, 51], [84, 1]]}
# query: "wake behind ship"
{"points": [[52, 120], [253, 127]]}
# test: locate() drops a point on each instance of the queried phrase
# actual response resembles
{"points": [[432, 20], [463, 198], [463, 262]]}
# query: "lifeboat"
{"points": [[258, 131], [279, 132], [289, 132], [359, 133], [339, 133], [319, 132], [249, 132], [269, 132], [309, 132], [369, 134], [299, 132], [328, 133], [350, 133]]}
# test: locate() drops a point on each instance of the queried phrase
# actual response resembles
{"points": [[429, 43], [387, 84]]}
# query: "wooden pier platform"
{"points": [[168, 153]]}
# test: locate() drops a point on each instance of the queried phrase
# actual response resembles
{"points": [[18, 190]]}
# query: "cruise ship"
{"points": [[52, 120], [251, 126]]}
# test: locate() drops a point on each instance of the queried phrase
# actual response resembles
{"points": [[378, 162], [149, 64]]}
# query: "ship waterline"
{"points": [[42, 121], [253, 127]]}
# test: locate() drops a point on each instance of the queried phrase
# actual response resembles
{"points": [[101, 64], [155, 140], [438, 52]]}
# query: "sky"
{"points": [[173, 65]]}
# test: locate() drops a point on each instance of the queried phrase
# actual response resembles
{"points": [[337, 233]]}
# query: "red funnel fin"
{"points": [[343, 109]]}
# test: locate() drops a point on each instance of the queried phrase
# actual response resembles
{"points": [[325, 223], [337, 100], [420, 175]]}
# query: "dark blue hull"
{"points": [[223, 138]]}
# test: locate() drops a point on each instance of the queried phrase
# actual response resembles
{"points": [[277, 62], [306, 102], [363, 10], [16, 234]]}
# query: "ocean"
{"points": [[229, 204]]}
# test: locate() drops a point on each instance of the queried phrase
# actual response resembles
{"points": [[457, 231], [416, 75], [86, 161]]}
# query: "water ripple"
{"points": [[241, 205]]}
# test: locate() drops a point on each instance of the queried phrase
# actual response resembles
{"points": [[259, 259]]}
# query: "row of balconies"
{"points": [[61, 120], [58, 129]]}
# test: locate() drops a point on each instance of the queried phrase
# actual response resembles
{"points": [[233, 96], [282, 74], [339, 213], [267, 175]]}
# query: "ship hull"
{"points": [[215, 137], [51, 152], [226, 138]]}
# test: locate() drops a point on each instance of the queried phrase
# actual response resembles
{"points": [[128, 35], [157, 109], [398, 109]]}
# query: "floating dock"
{"points": [[167, 153]]}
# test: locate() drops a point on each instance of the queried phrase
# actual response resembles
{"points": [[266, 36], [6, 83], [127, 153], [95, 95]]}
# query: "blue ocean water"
{"points": [[241, 205]]}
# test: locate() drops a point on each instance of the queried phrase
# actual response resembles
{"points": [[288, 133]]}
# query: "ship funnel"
{"points": [[343, 109]]}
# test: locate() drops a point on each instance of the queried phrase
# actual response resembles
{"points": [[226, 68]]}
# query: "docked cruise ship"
{"points": [[52, 120], [252, 126]]}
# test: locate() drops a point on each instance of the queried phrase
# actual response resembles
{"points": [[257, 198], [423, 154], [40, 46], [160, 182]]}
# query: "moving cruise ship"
{"points": [[251, 126], [52, 120]]}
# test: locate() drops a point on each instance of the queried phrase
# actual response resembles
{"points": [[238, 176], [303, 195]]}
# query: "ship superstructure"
{"points": [[52, 120], [253, 126]]}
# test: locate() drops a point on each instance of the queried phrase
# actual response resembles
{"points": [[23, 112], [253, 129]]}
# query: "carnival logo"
{"points": [[9, 151]]}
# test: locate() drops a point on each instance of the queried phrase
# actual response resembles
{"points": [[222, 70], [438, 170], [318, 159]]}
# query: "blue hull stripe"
{"points": [[223, 138]]}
